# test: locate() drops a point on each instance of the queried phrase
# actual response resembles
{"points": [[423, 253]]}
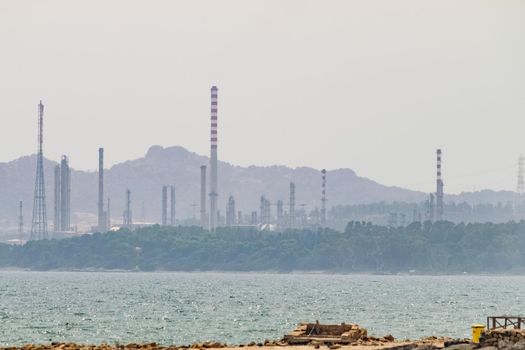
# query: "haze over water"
{"points": [[181, 308]]}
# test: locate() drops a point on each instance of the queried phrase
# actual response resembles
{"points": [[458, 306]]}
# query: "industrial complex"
{"points": [[272, 214]]}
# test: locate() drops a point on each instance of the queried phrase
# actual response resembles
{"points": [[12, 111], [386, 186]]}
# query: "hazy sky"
{"points": [[375, 86]]}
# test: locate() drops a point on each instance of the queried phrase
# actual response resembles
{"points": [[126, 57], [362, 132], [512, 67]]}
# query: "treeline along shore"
{"points": [[441, 247]]}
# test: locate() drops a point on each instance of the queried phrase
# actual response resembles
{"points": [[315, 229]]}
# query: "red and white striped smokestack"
{"points": [[214, 97], [213, 160], [438, 153], [439, 188]]}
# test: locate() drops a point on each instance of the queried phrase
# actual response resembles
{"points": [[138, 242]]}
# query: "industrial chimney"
{"points": [[439, 188], [213, 161], [102, 220], [204, 218]]}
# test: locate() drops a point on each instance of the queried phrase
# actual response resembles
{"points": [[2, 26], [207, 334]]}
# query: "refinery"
{"points": [[272, 214]]}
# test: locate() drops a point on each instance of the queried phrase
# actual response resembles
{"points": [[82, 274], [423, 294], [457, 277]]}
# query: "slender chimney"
{"points": [[56, 202], [21, 219], [164, 205], [128, 218], [102, 222], [323, 197], [430, 208], [439, 188], [213, 160], [204, 218], [291, 222], [521, 183], [172, 205], [230, 212], [108, 214], [65, 194], [280, 213]]}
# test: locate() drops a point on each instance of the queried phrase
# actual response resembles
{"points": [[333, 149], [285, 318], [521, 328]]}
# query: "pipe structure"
{"points": [[204, 217]]}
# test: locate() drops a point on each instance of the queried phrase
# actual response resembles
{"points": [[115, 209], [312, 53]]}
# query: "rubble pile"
{"points": [[502, 338]]}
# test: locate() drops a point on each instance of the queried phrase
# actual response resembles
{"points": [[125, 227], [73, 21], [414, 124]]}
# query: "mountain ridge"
{"points": [[175, 165]]}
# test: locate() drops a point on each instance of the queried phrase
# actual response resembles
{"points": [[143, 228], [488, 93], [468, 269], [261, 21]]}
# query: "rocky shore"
{"points": [[267, 345], [371, 343], [499, 339], [506, 339]]}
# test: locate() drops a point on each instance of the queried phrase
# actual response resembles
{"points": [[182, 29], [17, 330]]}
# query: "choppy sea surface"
{"points": [[181, 308]]}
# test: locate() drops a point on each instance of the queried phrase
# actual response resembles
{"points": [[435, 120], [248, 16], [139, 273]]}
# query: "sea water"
{"points": [[181, 308]]}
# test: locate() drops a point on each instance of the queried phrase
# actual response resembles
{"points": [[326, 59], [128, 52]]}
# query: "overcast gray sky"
{"points": [[375, 86]]}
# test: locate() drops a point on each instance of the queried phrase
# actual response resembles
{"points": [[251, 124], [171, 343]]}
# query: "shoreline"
{"points": [[494, 339], [267, 272], [431, 342]]}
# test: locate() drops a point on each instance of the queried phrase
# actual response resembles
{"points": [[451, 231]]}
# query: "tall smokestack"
{"points": [[280, 213], [65, 194], [204, 218], [521, 183], [213, 160], [21, 219], [164, 205], [291, 222], [439, 188], [430, 208], [323, 197], [128, 216], [56, 200], [102, 221], [62, 199], [230, 212], [172, 205], [108, 214]]}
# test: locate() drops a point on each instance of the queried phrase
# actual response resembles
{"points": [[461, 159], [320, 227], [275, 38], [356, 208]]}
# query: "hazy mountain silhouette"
{"points": [[180, 167]]}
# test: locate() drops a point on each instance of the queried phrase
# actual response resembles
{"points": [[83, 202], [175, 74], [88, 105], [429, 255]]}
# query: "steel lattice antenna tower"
{"points": [[39, 222], [323, 197], [521, 184]]}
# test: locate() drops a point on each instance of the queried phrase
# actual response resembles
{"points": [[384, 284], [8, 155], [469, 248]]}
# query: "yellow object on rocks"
{"points": [[477, 331]]}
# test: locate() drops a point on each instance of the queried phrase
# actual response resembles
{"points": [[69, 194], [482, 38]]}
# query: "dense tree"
{"points": [[399, 213], [442, 247]]}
